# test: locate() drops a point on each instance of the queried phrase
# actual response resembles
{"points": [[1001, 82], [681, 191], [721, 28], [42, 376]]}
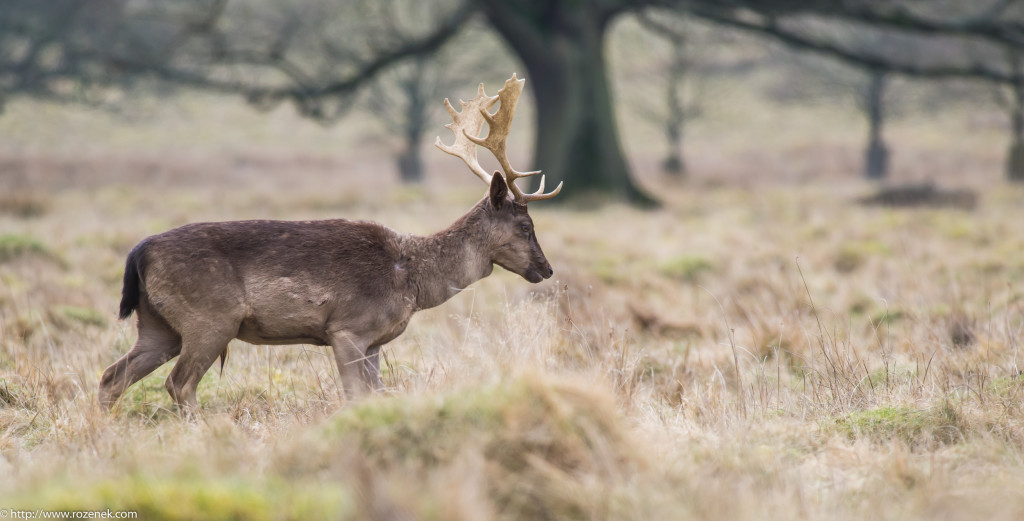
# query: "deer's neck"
{"points": [[443, 264]]}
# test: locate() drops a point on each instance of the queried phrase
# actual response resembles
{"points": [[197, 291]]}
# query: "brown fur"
{"points": [[351, 285]]}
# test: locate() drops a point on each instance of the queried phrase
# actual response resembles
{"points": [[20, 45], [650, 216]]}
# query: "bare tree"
{"points": [[317, 54], [679, 84], [1011, 99], [413, 86], [872, 103], [406, 98], [870, 92], [43, 48]]}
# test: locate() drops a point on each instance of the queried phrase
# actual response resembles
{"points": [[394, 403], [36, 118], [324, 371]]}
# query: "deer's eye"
{"points": [[525, 228]]}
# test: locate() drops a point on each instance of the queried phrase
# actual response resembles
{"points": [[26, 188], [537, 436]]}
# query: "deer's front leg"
{"points": [[350, 353], [372, 368]]}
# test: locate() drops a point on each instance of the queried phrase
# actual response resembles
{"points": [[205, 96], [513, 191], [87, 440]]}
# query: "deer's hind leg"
{"points": [[200, 348], [157, 344]]}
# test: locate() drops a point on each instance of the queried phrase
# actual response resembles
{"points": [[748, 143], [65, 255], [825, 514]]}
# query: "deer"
{"points": [[349, 285]]}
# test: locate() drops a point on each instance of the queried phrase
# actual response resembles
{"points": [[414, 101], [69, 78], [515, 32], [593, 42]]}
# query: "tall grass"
{"points": [[779, 353], [774, 383]]}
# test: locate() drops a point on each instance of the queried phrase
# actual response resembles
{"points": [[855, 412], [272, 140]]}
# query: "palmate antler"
{"points": [[467, 124]]}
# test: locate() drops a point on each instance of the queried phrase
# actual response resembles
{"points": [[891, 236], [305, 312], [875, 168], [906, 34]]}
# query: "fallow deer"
{"points": [[351, 285]]}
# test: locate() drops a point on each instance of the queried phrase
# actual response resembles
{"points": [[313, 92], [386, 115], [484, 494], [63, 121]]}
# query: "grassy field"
{"points": [[763, 347]]}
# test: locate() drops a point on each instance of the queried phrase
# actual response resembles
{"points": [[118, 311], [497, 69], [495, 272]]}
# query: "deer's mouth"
{"points": [[536, 274], [533, 275]]}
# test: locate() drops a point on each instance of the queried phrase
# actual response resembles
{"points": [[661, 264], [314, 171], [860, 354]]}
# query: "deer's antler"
{"points": [[467, 125]]}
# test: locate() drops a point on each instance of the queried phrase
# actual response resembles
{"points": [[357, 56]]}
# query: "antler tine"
{"points": [[539, 195], [499, 125], [465, 124]]}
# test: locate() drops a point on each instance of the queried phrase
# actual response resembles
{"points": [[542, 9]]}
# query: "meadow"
{"points": [[761, 347]]}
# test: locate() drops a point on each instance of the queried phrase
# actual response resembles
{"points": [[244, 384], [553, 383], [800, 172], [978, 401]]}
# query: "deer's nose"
{"points": [[550, 272]]}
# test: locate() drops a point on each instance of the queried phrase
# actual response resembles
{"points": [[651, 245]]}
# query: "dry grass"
{"points": [[779, 352]]}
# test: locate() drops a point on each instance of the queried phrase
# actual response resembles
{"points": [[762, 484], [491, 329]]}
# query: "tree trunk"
{"points": [[1015, 162], [1015, 159], [676, 117], [562, 46], [876, 157], [410, 163]]}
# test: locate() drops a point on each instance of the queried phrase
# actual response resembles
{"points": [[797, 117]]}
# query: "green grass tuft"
{"points": [[853, 255], [181, 499], [943, 424], [687, 268], [14, 246], [82, 315], [887, 317], [12, 395], [533, 433]]}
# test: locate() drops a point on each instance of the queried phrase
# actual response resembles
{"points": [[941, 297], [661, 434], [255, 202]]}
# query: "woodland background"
{"points": [[788, 257]]}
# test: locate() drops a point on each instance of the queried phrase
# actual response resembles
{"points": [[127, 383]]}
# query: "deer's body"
{"points": [[283, 281], [352, 285]]}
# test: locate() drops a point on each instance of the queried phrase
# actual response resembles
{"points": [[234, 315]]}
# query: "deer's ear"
{"points": [[499, 190]]}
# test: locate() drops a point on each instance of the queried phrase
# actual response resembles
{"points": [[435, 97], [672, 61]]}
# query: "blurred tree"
{"points": [[318, 53], [868, 87], [940, 39], [406, 98], [413, 85], [46, 49], [872, 103], [681, 103], [1011, 99]]}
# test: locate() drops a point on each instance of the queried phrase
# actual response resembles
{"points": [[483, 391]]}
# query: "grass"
{"points": [[687, 268], [539, 437], [189, 498], [16, 246], [905, 424], [83, 315], [757, 349], [23, 205]]}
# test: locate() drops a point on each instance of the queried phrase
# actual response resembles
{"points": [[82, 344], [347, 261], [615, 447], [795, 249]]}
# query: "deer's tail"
{"points": [[132, 273], [223, 358]]}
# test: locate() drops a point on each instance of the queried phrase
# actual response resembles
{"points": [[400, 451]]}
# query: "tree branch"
{"points": [[659, 27], [309, 94], [368, 70], [769, 26], [986, 23]]}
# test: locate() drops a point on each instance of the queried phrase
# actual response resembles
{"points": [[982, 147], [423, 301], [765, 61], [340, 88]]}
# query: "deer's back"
{"points": [[283, 280]]}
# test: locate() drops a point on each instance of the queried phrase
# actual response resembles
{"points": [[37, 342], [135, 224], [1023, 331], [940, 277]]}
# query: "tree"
{"points": [[872, 103], [869, 90], [947, 40], [406, 98], [1012, 101], [400, 100], [43, 49], [680, 94], [309, 53], [561, 45]]}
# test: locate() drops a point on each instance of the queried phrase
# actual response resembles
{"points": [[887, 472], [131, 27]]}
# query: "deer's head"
{"points": [[511, 235], [513, 241]]}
